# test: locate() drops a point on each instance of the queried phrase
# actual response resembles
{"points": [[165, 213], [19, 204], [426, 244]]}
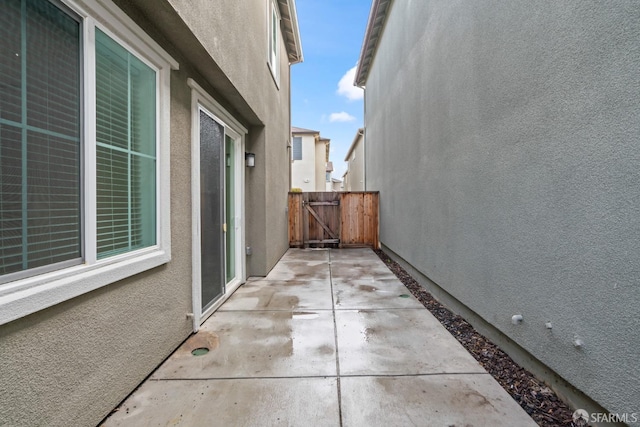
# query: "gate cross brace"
{"points": [[322, 224]]}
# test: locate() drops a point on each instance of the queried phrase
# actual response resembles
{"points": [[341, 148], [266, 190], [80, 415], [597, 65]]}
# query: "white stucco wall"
{"points": [[504, 138], [303, 172], [356, 165], [320, 166]]}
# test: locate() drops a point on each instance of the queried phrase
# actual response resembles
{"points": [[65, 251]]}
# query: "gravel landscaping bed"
{"points": [[538, 400]]}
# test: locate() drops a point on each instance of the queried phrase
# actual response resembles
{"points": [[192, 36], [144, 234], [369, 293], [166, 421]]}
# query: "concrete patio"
{"points": [[328, 338]]}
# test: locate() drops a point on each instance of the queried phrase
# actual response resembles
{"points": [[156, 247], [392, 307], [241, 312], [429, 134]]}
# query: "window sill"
{"points": [[21, 298]]}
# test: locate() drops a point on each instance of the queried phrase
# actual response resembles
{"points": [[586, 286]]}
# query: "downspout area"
{"points": [[364, 138], [364, 133], [289, 139]]}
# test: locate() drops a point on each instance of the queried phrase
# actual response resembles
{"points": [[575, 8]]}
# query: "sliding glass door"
{"points": [[212, 199], [220, 162]]}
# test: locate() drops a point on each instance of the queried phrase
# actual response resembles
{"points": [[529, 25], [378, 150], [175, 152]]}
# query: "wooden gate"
{"points": [[326, 219]]}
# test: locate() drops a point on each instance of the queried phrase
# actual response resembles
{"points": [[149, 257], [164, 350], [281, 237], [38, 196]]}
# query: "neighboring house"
{"points": [[335, 185], [355, 163], [332, 184], [504, 141], [125, 203], [309, 159]]}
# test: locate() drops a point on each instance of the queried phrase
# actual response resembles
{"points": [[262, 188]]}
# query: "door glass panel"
{"points": [[211, 209], [230, 208]]}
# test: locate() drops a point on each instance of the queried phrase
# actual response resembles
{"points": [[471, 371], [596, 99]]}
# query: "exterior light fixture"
{"points": [[250, 159]]}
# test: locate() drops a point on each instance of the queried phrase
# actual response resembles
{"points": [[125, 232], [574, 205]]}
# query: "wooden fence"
{"points": [[338, 219]]}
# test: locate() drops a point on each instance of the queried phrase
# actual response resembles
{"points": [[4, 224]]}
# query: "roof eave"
{"points": [[301, 131], [291, 31], [375, 25]]}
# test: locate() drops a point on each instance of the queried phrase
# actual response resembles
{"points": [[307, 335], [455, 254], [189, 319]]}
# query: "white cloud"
{"points": [[346, 87], [341, 117]]}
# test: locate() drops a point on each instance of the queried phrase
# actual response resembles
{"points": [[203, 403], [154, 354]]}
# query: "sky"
{"points": [[323, 97]]}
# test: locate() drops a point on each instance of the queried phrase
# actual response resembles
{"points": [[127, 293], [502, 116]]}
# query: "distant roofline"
{"points": [[303, 130], [359, 133], [377, 19]]}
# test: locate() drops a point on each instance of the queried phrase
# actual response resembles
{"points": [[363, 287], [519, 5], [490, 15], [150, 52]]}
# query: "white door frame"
{"points": [[238, 211], [200, 100]]}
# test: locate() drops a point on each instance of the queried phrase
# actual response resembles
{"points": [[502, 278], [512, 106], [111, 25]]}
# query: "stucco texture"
{"points": [[356, 166], [226, 46], [504, 138], [305, 169], [71, 364]]}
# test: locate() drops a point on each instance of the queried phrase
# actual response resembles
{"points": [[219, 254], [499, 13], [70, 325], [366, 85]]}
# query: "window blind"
{"points": [[126, 149], [40, 126], [297, 148]]}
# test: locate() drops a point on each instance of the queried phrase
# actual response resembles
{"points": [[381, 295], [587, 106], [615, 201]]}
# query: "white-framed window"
{"points": [[273, 56], [84, 151], [296, 152]]}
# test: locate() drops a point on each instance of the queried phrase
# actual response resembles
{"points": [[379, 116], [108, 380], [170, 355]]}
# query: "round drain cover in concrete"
{"points": [[200, 351]]}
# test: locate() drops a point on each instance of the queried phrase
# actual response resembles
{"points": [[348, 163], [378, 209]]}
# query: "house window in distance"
{"points": [[297, 148]]}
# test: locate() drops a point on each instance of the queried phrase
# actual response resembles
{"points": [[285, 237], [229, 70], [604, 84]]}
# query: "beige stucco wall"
{"points": [[234, 35], [74, 362]]}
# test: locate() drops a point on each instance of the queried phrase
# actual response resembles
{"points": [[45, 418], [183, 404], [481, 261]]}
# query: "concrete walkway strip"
{"points": [[329, 338]]}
